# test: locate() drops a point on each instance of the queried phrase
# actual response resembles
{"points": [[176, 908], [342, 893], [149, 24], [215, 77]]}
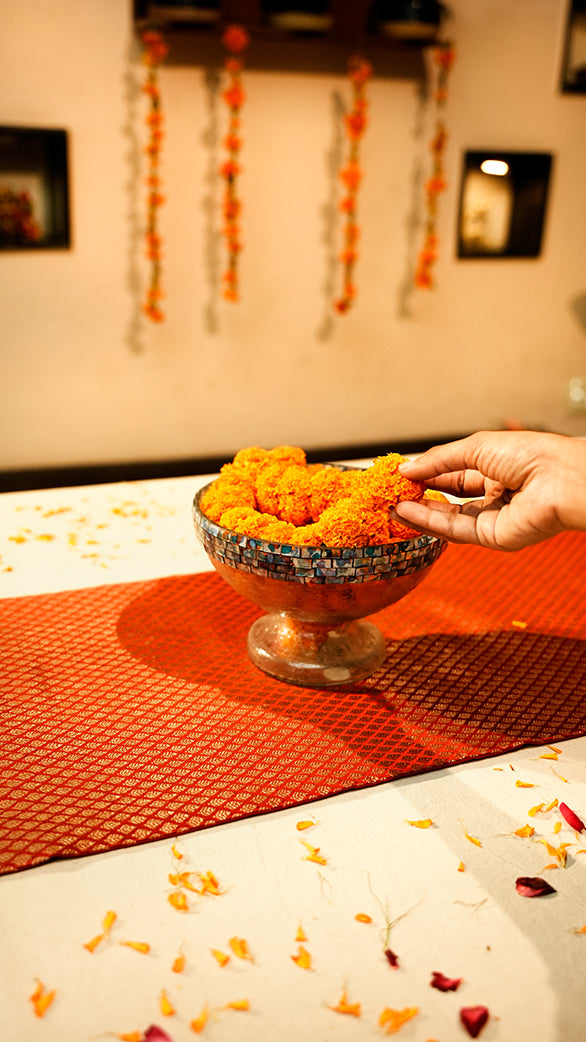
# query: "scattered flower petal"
{"points": [[362, 917], [178, 963], [240, 948], [580, 929], [533, 886], [474, 1018], [130, 1036], [176, 852], [301, 825], [525, 831], [423, 823], [303, 958], [198, 1024], [559, 853], [392, 1020], [300, 935], [472, 839], [343, 1006], [165, 1005], [42, 999], [156, 1034], [210, 884], [314, 854], [392, 959], [221, 958], [572, 818], [443, 983], [179, 901], [137, 946], [525, 784], [240, 1004], [461, 867]]}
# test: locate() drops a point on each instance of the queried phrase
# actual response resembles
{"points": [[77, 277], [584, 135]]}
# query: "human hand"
{"points": [[527, 486]]}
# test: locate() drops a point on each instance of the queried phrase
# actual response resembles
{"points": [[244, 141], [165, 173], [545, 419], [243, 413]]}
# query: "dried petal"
{"points": [[130, 1036], [474, 1018], [109, 920], [362, 917], [525, 784], [442, 983], [301, 825], [209, 884], [472, 839], [392, 1020], [176, 852], [558, 852], [42, 999], [343, 1006], [392, 959], [179, 901], [533, 886], [165, 1005], [580, 929], [303, 958], [137, 946], [461, 867], [240, 948], [221, 958], [423, 823], [571, 817], [178, 963], [239, 1004], [199, 1023]]}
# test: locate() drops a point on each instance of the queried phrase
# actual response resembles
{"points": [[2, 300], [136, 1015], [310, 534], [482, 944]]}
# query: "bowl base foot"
{"points": [[315, 654]]}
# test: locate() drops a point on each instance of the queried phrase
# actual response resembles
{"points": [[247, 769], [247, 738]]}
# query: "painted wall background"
{"points": [[85, 378]]}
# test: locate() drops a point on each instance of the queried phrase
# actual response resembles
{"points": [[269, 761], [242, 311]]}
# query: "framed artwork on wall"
{"points": [[34, 189], [573, 78], [503, 199]]}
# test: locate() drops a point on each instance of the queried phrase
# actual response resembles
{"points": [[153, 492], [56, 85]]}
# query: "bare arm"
{"points": [[527, 486]]}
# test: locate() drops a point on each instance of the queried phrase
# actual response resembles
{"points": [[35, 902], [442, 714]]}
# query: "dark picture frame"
{"points": [[573, 71], [34, 189], [503, 201]]}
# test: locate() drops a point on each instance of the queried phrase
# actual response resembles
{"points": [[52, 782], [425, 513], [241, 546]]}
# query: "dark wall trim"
{"points": [[99, 474]]}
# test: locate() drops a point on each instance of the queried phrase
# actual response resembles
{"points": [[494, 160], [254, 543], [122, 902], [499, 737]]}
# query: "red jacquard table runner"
{"points": [[131, 712]]}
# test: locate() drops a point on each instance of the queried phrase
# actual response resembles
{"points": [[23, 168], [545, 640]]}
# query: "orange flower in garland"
{"points": [[236, 40], [355, 122], [436, 184], [155, 51]]}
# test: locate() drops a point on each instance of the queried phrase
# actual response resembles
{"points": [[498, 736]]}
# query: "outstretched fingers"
{"points": [[451, 521]]}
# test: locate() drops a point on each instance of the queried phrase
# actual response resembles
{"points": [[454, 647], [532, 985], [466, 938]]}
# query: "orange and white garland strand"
{"points": [[355, 122], [436, 184], [236, 40], [155, 51]]}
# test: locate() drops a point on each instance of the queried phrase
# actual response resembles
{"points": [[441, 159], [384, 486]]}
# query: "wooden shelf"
{"points": [[195, 41]]}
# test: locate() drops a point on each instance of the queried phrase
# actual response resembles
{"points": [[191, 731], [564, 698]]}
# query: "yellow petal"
{"points": [[423, 823], [137, 946], [240, 948], [165, 1005], [392, 1020], [199, 1023], [303, 958], [220, 957]]}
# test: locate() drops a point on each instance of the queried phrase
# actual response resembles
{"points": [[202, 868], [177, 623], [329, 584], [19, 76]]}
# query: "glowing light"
{"points": [[498, 167]]}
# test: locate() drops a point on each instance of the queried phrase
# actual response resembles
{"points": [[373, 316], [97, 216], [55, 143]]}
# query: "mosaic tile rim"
{"points": [[312, 564]]}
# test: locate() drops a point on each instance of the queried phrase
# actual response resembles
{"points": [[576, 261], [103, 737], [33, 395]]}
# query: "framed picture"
{"points": [[34, 192], [573, 78], [503, 198]]}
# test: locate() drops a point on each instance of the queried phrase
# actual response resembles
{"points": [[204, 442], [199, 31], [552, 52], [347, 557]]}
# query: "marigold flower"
{"points": [[235, 38]]}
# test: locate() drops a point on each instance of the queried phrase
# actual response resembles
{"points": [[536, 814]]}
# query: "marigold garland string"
{"points": [[236, 40], [155, 51], [444, 58], [355, 123]]}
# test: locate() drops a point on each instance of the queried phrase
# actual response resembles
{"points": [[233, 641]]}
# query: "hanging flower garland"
{"points": [[355, 123], [155, 51], [236, 40], [444, 59]]}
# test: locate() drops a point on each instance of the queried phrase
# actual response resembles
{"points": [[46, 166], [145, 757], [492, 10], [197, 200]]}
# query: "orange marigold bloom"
{"points": [[351, 175], [236, 38], [435, 185], [356, 123], [234, 95]]}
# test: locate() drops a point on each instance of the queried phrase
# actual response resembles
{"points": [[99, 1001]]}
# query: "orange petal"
{"points": [[301, 825], [525, 784], [165, 1005], [423, 823], [303, 958], [362, 917], [239, 1004], [178, 963], [109, 920], [93, 944], [220, 957], [41, 999], [240, 948], [137, 946], [200, 1022], [300, 935], [350, 1008], [525, 830], [179, 901], [392, 1020]]}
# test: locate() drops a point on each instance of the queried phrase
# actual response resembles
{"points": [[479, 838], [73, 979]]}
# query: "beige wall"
{"points": [[85, 379]]}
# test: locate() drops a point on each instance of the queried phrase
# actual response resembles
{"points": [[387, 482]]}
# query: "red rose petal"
{"points": [[533, 886], [572, 819], [443, 983], [156, 1034], [474, 1018]]}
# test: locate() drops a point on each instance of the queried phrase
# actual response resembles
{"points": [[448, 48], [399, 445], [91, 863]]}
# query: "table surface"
{"points": [[442, 898]]}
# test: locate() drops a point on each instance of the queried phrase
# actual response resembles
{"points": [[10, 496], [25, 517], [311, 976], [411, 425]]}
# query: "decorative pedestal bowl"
{"points": [[314, 632]]}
